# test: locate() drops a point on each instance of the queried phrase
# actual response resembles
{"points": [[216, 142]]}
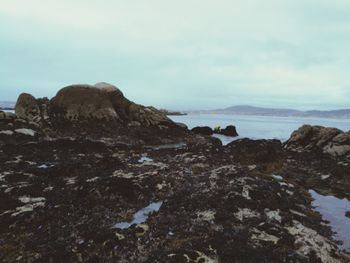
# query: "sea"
{"points": [[258, 127]]}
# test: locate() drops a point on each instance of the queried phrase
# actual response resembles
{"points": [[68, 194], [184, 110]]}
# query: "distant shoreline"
{"points": [[267, 115]]}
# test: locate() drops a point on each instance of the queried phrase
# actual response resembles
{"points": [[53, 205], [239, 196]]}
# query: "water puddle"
{"points": [[45, 166], [140, 216], [169, 146], [333, 210], [145, 159], [225, 139]]}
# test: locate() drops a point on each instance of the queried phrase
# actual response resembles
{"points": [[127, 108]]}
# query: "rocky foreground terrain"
{"points": [[89, 176]]}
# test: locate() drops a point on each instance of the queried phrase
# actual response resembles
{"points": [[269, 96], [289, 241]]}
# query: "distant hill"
{"points": [[259, 111]]}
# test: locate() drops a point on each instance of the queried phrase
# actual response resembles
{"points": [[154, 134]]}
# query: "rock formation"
{"points": [[230, 130], [98, 111], [328, 140], [203, 130]]}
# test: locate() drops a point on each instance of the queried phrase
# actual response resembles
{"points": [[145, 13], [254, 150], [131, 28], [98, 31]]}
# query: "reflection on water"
{"points": [[140, 216], [259, 127], [333, 210]]}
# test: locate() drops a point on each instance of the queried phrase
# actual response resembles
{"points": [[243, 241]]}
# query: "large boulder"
{"points": [[82, 102], [230, 130], [317, 138], [203, 130], [97, 111], [102, 101]]}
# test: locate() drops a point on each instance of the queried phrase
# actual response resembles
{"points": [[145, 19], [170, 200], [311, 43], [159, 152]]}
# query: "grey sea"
{"points": [[258, 127]]}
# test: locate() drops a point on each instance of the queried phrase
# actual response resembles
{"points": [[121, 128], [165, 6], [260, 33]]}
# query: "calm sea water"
{"points": [[259, 127]]}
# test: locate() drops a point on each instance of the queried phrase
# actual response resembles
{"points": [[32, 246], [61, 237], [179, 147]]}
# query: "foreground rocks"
{"points": [[230, 130], [61, 201]]}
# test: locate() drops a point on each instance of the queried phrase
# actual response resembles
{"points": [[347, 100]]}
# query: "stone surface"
{"points": [[316, 138], [230, 130], [27, 107], [96, 111], [203, 130], [63, 200]]}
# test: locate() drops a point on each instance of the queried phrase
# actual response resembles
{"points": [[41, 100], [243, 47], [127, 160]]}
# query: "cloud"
{"points": [[181, 54]]}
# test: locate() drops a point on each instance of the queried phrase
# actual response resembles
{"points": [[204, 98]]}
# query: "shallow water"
{"points": [[145, 159], [140, 216], [333, 210], [13, 111], [259, 127], [169, 146]]}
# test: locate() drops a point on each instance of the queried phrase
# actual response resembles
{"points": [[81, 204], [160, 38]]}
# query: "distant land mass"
{"points": [[243, 110], [259, 111]]}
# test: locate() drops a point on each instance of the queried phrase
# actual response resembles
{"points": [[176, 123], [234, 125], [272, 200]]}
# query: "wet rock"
{"points": [[203, 130], [230, 130], [347, 214], [255, 151]]}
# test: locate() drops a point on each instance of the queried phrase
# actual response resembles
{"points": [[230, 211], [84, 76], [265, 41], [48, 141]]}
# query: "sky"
{"points": [[184, 54]]}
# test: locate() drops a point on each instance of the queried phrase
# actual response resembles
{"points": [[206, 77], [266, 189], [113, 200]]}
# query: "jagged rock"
{"points": [[328, 140], [204, 130], [230, 130]]}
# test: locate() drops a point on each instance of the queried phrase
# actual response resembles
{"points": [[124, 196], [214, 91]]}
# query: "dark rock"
{"points": [[103, 102], [229, 131], [61, 199], [182, 125], [255, 151], [203, 130], [347, 214]]}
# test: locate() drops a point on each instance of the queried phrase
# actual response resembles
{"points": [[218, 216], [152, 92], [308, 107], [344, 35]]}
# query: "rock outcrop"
{"points": [[203, 130], [31, 109], [327, 140], [103, 101], [230, 130], [98, 111]]}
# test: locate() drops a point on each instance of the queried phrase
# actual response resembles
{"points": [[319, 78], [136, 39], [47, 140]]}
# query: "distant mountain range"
{"points": [[259, 111]]}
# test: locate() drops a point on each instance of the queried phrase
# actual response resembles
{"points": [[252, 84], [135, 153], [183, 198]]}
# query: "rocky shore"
{"points": [[90, 176]]}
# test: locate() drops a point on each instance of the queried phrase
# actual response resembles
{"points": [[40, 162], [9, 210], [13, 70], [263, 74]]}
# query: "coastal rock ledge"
{"points": [[89, 176], [99, 111]]}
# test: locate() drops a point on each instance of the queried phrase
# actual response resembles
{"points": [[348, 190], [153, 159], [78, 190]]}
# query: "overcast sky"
{"points": [[184, 54]]}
